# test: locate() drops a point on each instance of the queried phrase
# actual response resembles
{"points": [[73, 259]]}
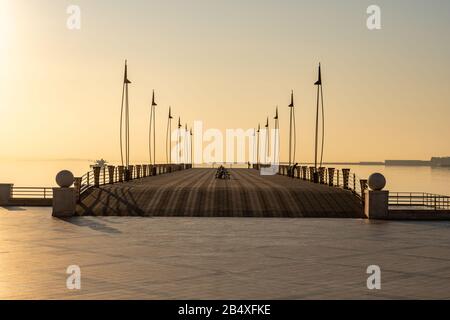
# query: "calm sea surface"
{"points": [[411, 179]]}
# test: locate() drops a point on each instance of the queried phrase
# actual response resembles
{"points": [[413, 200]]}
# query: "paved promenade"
{"points": [[220, 258], [196, 192]]}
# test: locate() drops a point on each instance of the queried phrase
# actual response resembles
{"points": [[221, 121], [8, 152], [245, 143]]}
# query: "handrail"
{"points": [[339, 178], [101, 176], [32, 192], [419, 199], [345, 179]]}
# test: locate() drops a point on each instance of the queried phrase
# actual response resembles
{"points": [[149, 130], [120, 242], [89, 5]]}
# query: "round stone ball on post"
{"points": [[376, 182], [65, 179], [376, 200]]}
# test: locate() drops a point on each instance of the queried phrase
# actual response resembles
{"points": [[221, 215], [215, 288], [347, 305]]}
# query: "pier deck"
{"points": [[196, 193]]}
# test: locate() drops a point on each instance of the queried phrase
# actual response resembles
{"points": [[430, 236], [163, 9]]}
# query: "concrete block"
{"points": [[64, 202], [376, 204], [5, 193]]}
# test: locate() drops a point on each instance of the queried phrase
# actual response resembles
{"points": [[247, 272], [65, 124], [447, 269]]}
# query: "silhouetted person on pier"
{"points": [[291, 170], [222, 173]]}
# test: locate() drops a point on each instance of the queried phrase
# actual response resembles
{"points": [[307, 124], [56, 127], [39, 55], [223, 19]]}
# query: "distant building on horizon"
{"points": [[407, 163], [434, 162], [440, 162]]}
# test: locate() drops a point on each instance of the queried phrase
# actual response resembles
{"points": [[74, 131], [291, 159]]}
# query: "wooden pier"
{"points": [[196, 193]]}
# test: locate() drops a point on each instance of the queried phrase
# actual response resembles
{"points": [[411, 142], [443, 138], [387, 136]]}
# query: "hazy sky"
{"points": [[228, 63]]}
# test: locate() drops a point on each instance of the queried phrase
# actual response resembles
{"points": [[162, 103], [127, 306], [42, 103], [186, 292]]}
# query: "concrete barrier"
{"points": [[64, 197], [5, 193]]}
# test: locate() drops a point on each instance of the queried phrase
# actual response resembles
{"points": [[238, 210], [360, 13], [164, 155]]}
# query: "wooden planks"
{"points": [[196, 193]]}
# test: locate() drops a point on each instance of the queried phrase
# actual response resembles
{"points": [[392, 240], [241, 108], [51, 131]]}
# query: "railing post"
{"points": [[111, 170], [363, 183], [144, 170], [338, 178], [354, 183], [77, 186], [331, 176], [104, 175], [130, 173], [88, 176], [138, 172], [312, 170], [6, 191], [322, 175], [97, 176], [346, 176], [304, 170], [121, 171]]}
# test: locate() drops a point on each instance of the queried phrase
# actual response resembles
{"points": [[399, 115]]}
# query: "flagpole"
{"points": [[257, 145], [317, 129], [127, 129], [169, 138], [291, 118], [276, 137], [323, 126], [254, 146], [121, 121], [192, 149], [178, 140], [319, 86], [125, 121], [267, 142], [150, 135], [154, 105], [186, 149]]}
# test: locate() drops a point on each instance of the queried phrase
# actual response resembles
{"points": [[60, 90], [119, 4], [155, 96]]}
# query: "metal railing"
{"points": [[32, 193], [87, 181], [111, 174], [345, 179], [338, 178], [419, 200]]}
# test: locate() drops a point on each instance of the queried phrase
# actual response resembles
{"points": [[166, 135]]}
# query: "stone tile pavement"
{"points": [[220, 258]]}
